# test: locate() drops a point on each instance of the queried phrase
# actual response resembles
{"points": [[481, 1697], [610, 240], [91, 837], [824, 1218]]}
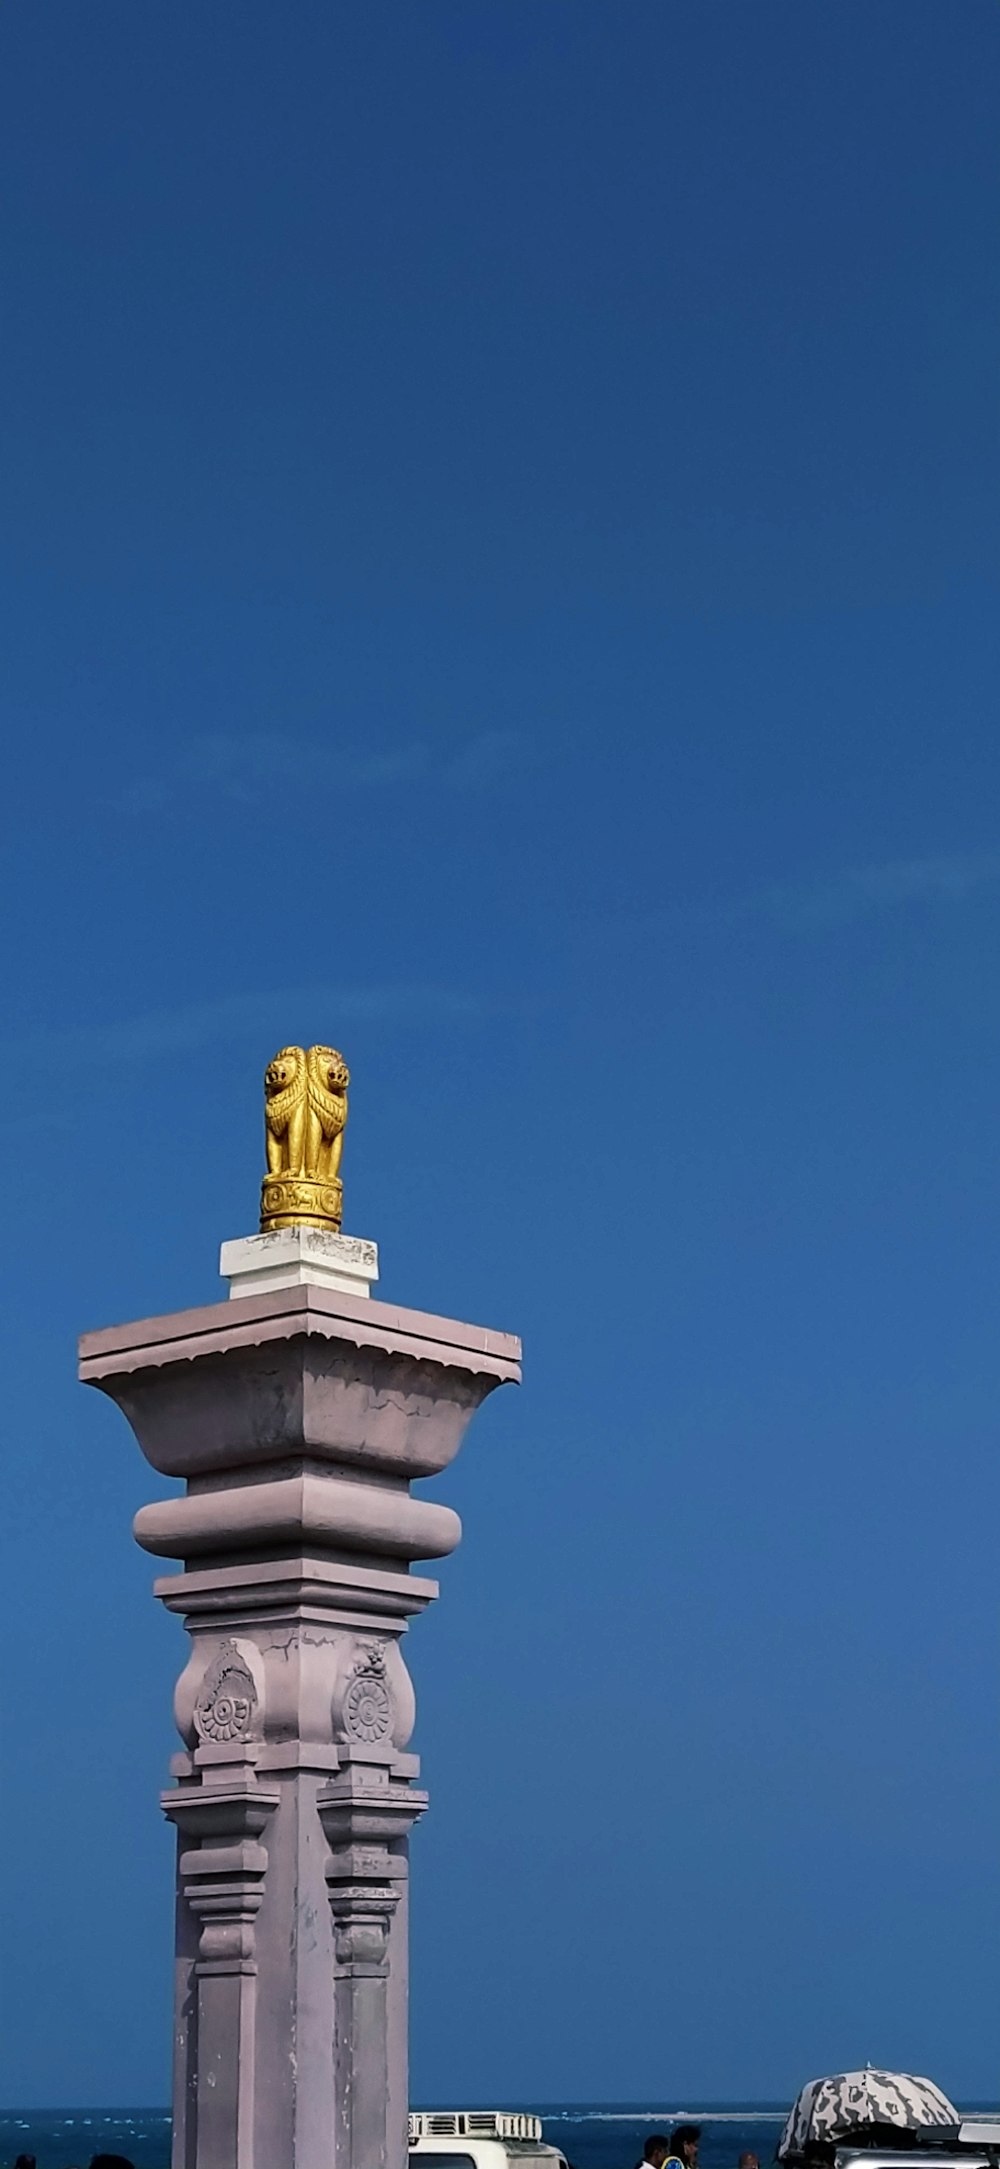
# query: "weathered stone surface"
{"points": [[297, 1257]]}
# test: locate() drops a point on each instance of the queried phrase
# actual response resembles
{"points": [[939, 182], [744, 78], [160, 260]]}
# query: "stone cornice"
{"points": [[252, 1320]]}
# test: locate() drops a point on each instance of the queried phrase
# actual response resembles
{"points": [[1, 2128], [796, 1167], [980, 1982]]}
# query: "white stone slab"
{"points": [[296, 1258]]}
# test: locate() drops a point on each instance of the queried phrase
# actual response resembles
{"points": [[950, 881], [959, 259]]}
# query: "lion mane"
{"points": [[325, 1069], [282, 1099]]}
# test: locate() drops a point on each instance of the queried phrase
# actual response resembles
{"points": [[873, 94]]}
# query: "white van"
{"points": [[480, 2139]]}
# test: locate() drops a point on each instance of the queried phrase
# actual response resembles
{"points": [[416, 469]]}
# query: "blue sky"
{"points": [[499, 537]]}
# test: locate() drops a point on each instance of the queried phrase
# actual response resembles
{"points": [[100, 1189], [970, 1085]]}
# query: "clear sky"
{"points": [[500, 546]]}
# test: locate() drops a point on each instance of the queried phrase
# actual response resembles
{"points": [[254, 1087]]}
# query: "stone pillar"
{"points": [[299, 1416]]}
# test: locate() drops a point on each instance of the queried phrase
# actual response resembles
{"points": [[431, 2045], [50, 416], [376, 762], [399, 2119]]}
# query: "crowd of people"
{"points": [[680, 2150]]}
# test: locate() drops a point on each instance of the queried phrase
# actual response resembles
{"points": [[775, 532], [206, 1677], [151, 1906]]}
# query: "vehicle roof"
{"points": [[523, 2150], [488, 2151], [970, 2157]]}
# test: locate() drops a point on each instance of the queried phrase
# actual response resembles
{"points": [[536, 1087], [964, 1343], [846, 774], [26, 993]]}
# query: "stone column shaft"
{"points": [[299, 1419]]}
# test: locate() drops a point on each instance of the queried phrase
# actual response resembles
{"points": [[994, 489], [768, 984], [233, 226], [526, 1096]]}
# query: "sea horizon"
{"points": [[590, 2134]]}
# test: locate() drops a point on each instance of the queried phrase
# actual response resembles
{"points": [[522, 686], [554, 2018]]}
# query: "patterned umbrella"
{"points": [[830, 2109]]}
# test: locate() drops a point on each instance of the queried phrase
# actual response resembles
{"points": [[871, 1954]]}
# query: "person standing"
{"points": [[655, 2151], [684, 2144]]}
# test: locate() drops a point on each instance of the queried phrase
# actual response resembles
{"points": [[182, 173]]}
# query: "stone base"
{"points": [[298, 1257]]}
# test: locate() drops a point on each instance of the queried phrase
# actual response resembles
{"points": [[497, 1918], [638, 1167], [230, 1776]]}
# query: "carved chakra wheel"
{"points": [[368, 1710]]}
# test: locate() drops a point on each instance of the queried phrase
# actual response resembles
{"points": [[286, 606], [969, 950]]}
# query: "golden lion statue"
{"points": [[327, 1079], [285, 1105], [305, 1110]]}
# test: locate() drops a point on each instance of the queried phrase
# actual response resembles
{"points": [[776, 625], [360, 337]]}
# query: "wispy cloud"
{"points": [[855, 892], [488, 758], [162, 1033], [246, 768], [851, 893]]}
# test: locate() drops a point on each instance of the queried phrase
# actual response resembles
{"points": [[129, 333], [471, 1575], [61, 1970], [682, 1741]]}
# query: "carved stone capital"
{"points": [[361, 1916], [220, 1813], [366, 1827], [358, 1383], [222, 1874]]}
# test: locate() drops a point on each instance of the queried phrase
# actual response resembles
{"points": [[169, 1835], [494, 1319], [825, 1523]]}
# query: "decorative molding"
{"points": [[361, 1916], [222, 1868]]}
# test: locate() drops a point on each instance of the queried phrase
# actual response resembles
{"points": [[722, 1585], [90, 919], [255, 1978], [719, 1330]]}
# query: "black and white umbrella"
{"points": [[831, 2109]]}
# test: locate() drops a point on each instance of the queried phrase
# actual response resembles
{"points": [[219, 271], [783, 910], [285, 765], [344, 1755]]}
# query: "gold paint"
{"points": [[305, 1109]]}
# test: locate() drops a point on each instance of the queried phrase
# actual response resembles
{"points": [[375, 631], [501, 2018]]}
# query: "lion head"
{"points": [[331, 1066], [283, 1071]]}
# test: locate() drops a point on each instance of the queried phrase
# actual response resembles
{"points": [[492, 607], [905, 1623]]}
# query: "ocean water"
{"points": [[595, 2136], [613, 2137], [591, 2137]]}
